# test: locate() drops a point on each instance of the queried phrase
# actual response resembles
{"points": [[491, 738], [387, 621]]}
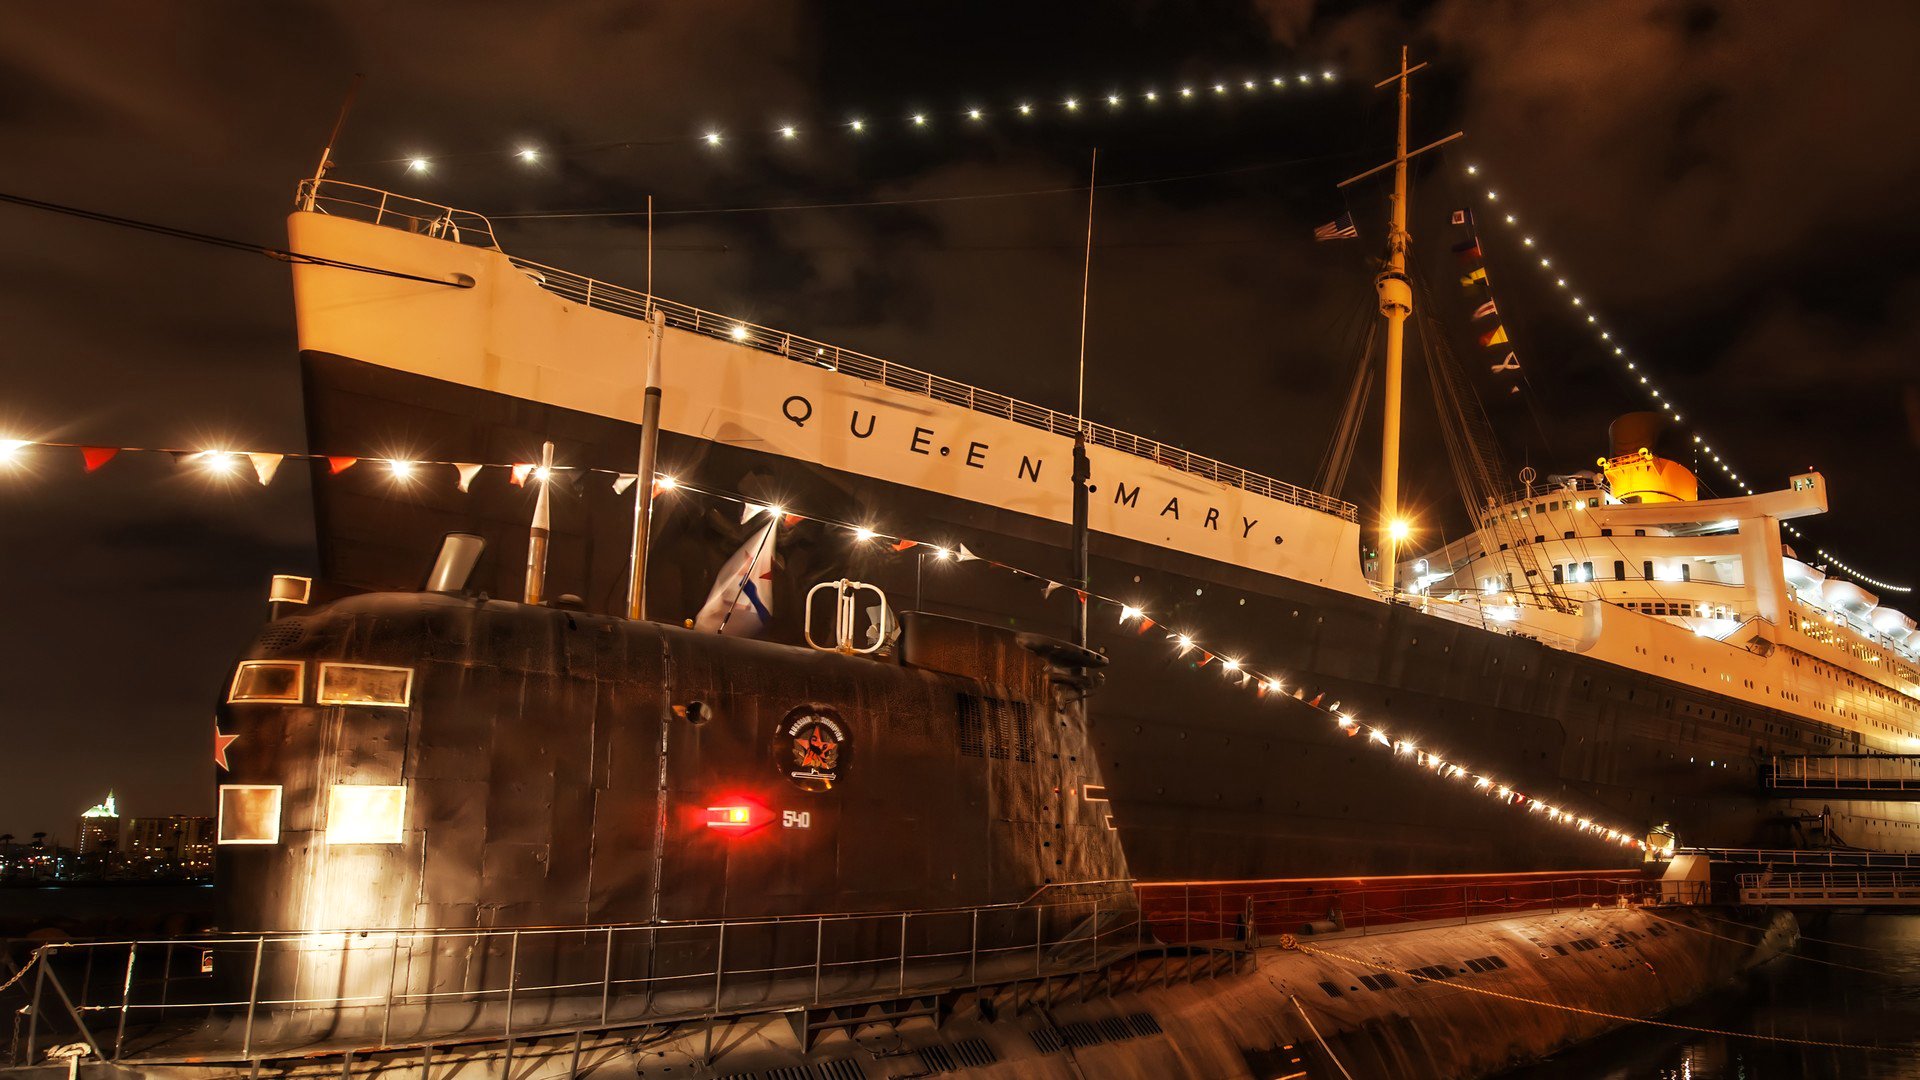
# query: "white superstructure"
{"points": [[1628, 565]]}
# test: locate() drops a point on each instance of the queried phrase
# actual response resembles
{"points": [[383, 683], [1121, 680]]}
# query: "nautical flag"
{"points": [[1511, 363], [337, 465], [1340, 228], [1485, 310], [265, 465], [624, 481], [1463, 216], [741, 602], [1468, 251], [1479, 274], [96, 456], [1495, 336], [466, 471]]}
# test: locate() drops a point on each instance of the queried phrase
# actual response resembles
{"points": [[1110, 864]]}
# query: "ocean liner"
{"points": [[1605, 639]]}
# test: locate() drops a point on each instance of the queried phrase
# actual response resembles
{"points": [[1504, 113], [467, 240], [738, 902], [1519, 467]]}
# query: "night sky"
{"points": [[1728, 185]]}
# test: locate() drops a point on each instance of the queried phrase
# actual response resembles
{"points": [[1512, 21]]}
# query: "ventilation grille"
{"points": [[281, 636], [1050, 1040], [992, 728], [837, 1069], [938, 1058]]}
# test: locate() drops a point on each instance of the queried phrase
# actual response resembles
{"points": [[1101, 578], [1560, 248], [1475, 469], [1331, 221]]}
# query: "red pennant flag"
{"points": [[338, 465], [519, 474], [791, 520], [1205, 658], [1081, 595], [1317, 699], [1146, 624], [97, 456], [905, 544]]}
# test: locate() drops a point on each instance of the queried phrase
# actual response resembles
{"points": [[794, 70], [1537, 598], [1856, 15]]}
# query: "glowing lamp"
{"points": [[864, 534], [1399, 530], [712, 138], [418, 165], [10, 450], [1128, 611], [402, 470], [737, 818], [789, 131], [738, 333], [219, 462], [666, 483], [529, 155]]}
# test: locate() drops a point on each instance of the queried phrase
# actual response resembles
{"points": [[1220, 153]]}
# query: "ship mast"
{"points": [[1396, 304]]}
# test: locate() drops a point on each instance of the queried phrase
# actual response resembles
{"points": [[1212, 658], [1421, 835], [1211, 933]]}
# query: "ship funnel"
{"points": [[1633, 432], [458, 554]]}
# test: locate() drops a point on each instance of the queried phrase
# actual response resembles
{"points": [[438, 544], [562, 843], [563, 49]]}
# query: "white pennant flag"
{"points": [[624, 481], [467, 472], [265, 465], [965, 555], [741, 601], [1048, 591]]}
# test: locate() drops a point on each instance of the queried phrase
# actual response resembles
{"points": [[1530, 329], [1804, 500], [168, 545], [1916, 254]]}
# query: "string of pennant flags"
{"points": [[1534, 249], [265, 465], [1480, 287], [979, 114]]}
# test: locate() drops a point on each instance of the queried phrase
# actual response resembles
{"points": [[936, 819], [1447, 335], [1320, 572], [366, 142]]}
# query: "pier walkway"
{"points": [[1879, 890], [1843, 776]]}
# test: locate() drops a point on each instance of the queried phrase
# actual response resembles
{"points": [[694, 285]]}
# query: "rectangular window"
{"points": [[1559, 578], [1646, 569], [365, 684], [1094, 792], [249, 814], [1586, 571], [1686, 572], [1606, 532], [267, 680], [1619, 570], [366, 814]]}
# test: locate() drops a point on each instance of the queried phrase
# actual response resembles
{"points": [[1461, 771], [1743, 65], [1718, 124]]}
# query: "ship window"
{"points": [[267, 680], [1558, 576], [249, 814], [1619, 570], [1686, 572], [365, 684], [1646, 569], [1606, 532], [366, 814]]}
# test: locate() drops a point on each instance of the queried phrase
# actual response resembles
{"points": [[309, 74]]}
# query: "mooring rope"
{"points": [[1328, 1050], [1750, 944]]}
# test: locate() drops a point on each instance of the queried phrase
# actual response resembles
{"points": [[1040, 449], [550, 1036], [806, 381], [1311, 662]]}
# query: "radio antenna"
{"points": [[1082, 469], [333, 139]]}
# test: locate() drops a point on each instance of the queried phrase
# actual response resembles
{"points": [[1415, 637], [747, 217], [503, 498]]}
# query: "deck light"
{"points": [[863, 534], [738, 333], [974, 114], [10, 450], [789, 131], [712, 138], [418, 165], [857, 124], [401, 469], [920, 119]]}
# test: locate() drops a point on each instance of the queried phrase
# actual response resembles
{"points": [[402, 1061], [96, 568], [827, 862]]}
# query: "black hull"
{"points": [[1207, 781]]}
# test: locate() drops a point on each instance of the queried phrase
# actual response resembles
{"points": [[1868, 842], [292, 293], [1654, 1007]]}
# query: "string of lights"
{"points": [[1535, 250], [909, 120], [229, 463]]}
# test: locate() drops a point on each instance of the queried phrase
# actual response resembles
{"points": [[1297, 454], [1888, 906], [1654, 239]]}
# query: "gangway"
{"points": [[1896, 890], [1843, 776]]}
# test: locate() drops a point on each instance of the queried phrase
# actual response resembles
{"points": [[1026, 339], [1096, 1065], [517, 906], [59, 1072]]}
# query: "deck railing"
{"points": [[379, 207]]}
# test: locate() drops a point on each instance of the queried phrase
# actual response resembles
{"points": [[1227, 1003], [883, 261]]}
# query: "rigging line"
{"points": [[1649, 1021], [1796, 956], [172, 232], [1317, 1038], [553, 215], [1804, 936]]}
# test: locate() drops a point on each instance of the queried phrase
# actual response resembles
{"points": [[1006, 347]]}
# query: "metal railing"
{"points": [[1790, 857], [1864, 774], [236, 997], [1254, 911], [1832, 888], [465, 226]]}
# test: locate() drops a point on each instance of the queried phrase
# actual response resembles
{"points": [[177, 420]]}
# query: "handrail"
{"points": [[1800, 857], [469, 227]]}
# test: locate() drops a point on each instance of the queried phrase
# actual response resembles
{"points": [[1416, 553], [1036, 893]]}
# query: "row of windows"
{"points": [[356, 814], [283, 682]]}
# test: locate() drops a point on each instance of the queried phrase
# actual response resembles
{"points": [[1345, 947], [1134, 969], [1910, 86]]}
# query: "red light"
{"points": [[737, 818]]}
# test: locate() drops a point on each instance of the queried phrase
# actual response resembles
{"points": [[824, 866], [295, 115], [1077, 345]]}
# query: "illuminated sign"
{"points": [[737, 818], [810, 748]]}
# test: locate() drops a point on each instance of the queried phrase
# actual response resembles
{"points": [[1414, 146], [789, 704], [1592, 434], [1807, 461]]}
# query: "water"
{"points": [[1796, 996]]}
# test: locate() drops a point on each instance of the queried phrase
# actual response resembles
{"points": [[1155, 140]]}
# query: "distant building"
{"points": [[100, 828], [170, 845]]}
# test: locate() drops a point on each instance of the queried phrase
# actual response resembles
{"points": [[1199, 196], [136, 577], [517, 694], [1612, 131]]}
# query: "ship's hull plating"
{"points": [[1207, 781]]}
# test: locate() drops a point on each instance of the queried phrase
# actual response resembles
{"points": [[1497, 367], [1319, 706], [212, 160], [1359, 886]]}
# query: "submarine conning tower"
{"points": [[423, 760]]}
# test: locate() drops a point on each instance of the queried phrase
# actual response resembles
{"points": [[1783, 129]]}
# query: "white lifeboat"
{"points": [[1896, 625], [1803, 578], [1848, 597]]}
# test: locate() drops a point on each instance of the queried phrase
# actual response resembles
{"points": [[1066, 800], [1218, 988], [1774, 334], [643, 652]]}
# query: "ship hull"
{"points": [[1206, 779]]}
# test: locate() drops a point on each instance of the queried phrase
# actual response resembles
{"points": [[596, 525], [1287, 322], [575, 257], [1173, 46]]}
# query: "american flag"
{"points": [[1340, 228]]}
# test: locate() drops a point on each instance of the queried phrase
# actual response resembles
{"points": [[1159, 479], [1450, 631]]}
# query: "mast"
{"points": [[1396, 305]]}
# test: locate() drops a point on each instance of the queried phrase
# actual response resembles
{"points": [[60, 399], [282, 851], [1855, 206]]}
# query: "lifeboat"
{"points": [[1804, 579], [1848, 597], [1894, 625]]}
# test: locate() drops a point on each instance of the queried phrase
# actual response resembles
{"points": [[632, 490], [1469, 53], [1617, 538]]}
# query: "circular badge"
{"points": [[810, 748]]}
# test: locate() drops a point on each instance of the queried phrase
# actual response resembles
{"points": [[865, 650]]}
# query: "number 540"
{"points": [[796, 819]]}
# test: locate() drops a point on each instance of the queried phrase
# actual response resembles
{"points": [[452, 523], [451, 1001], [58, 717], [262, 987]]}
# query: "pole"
{"points": [[649, 459], [1396, 304], [542, 524], [333, 139], [1082, 469]]}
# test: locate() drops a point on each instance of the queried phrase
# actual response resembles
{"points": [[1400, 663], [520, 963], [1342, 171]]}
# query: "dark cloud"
{"points": [[1725, 179]]}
